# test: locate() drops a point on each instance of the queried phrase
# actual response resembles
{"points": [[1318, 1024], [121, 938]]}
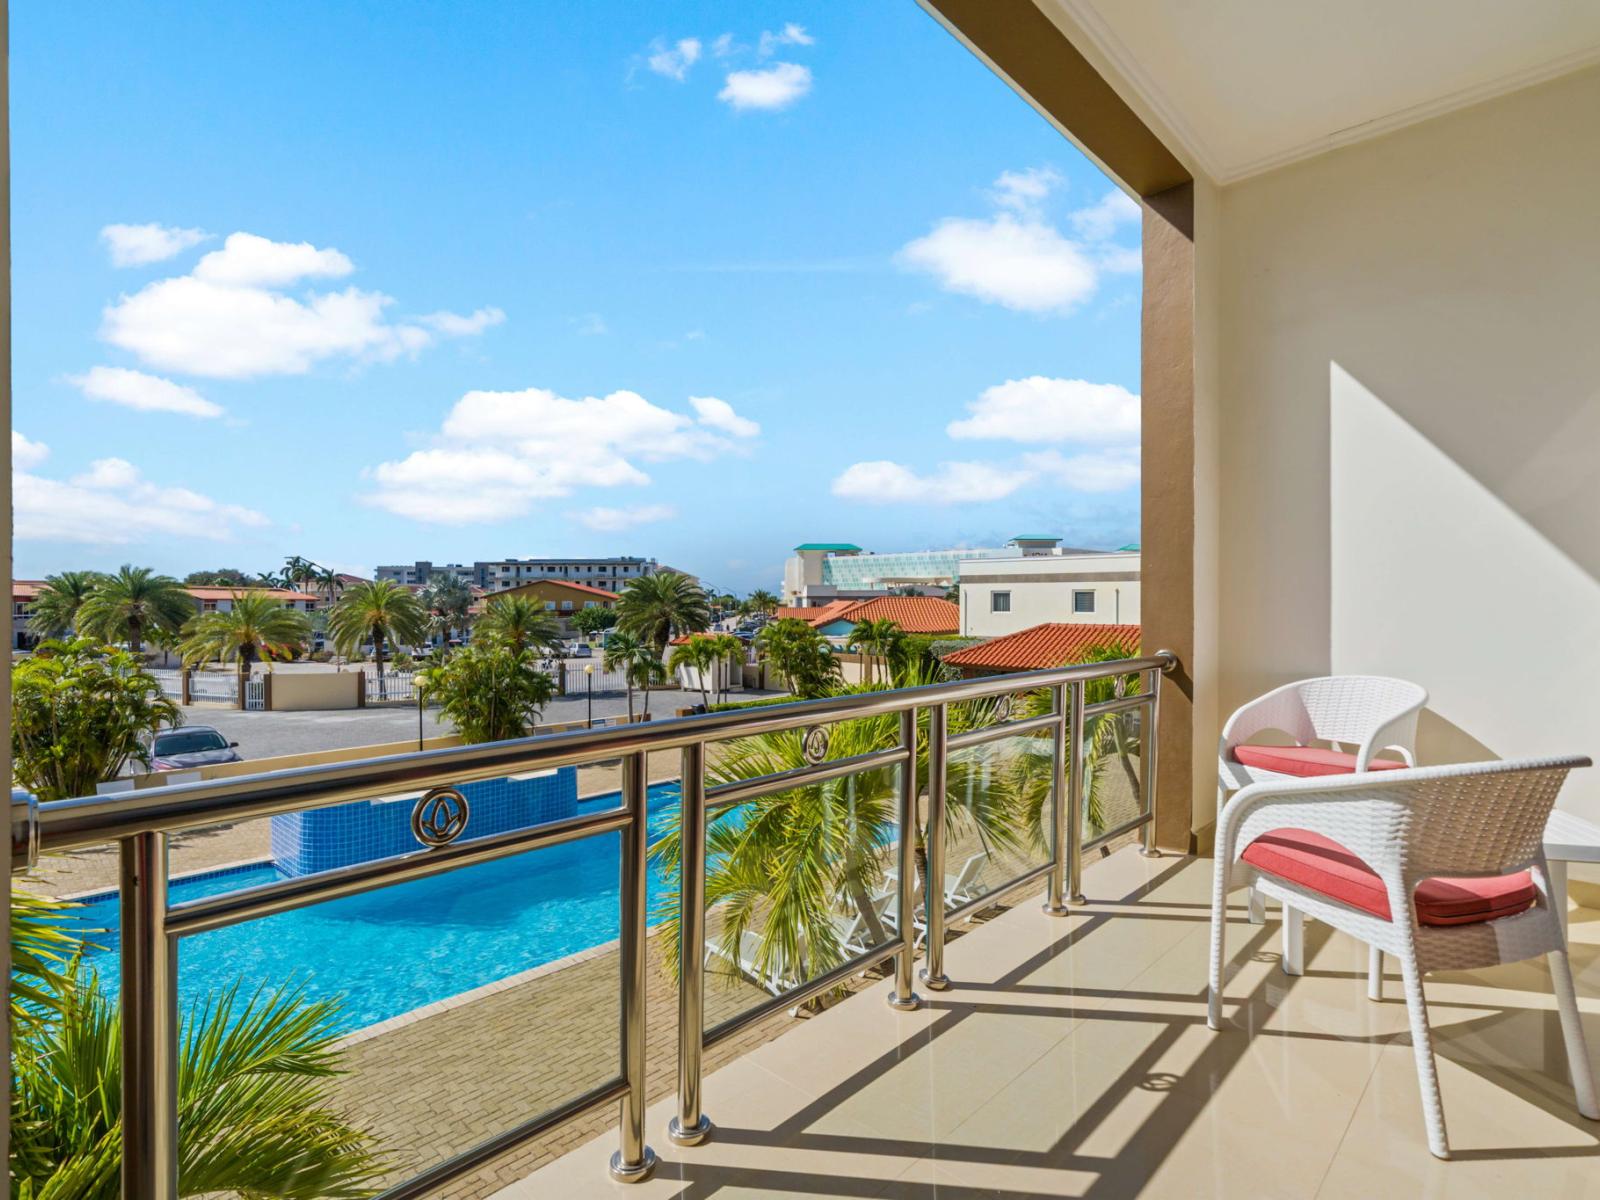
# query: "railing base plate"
{"points": [[679, 1136], [1150, 852], [937, 983], [1054, 910], [1078, 900], [910, 1004], [637, 1173]]}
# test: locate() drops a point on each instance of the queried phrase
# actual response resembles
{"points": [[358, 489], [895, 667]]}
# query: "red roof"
{"points": [[26, 589], [818, 615], [914, 614], [577, 587], [1043, 646]]}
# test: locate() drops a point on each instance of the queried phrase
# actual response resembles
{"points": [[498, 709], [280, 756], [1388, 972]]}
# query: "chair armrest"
{"points": [[1398, 732], [1280, 708]]}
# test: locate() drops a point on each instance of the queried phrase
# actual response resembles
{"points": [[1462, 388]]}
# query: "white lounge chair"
{"points": [[1442, 867], [962, 886], [748, 962]]}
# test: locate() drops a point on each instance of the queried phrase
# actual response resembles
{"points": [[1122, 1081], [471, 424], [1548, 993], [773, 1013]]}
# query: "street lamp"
{"points": [[588, 671]]}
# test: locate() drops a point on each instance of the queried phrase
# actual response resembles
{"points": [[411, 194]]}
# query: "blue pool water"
{"points": [[398, 948]]}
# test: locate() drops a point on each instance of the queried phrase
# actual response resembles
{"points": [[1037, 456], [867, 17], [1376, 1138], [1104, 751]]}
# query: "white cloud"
{"points": [[136, 245], [674, 61], [790, 35], [770, 88], [1023, 264], [497, 453], [1024, 191], [719, 415], [227, 320], [724, 45], [1040, 409], [615, 520], [26, 453], [112, 503], [884, 482], [593, 325], [455, 325], [1102, 219], [1102, 471], [147, 393], [247, 259]]}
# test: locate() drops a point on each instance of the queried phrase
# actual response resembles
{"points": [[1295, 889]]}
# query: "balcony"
{"points": [[1071, 1058]]}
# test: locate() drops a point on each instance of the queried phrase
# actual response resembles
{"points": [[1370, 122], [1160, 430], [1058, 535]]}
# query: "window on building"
{"points": [[208, 606], [566, 605], [1083, 602], [549, 606], [999, 601]]}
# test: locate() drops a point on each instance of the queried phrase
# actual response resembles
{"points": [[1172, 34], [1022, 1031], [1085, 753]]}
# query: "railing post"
{"points": [[933, 894], [903, 998], [1075, 797], [691, 1126], [634, 1161], [1149, 752], [149, 1024], [1055, 882]]}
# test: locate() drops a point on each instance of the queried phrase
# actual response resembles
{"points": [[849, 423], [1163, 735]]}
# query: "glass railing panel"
{"points": [[1113, 769], [998, 808], [798, 883], [452, 1008]]}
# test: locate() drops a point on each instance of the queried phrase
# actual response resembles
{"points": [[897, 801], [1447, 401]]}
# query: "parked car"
{"points": [[191, 746], [582, 650]]}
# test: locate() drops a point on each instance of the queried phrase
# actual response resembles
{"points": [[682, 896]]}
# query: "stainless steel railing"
{"points": [[152, 927]]}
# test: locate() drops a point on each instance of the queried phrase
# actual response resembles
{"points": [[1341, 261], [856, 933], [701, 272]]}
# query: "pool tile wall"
{"points": [[341, 835]]}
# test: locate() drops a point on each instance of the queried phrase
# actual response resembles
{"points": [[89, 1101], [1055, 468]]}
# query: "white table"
{"points": [[1568, 839]]}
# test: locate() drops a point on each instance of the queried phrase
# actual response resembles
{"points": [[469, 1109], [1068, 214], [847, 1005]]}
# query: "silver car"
{"points": [[191, 746]]}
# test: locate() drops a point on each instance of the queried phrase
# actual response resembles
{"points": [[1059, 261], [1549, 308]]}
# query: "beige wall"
{"points": [[299, 691], [1406, 335], [1041, 590]]}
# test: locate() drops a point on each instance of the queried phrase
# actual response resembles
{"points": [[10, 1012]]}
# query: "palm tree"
{"points": [[299, 571], [55, 610], [801, 655], [521, 622], [656, 607], [762, 601], [380, 612], [449, 603], [125, 606], [256, 626], [700, 655], [877, 637], [639, 663], [729, 649]]}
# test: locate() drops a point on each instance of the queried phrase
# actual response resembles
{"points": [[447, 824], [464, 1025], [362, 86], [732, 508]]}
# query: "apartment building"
{"points": [[608, 574], [1001, 596], [822, 572]]}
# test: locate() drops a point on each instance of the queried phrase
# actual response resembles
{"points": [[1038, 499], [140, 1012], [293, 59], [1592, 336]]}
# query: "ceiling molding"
{"points": [[1086, 16]]}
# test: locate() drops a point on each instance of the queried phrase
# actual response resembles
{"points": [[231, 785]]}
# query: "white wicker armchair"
{"points": [[1478, 825]]}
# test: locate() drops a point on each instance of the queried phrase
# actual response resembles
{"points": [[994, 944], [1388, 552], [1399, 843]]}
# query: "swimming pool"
{"points": [[398, 948]]}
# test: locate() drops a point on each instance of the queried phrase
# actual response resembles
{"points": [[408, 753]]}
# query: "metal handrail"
{"points": [[152, 928]]}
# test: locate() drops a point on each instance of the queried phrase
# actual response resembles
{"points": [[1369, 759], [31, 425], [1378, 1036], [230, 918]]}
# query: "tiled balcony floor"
{"points": [[1072, 1059]]}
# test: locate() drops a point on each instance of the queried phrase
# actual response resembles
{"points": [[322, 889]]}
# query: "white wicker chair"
{"points": [[1368, 712], [1407, 826]]}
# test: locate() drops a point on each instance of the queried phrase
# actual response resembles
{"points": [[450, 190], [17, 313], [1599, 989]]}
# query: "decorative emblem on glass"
{"points": [[815, 747], [440, 817], [1002, 709]]}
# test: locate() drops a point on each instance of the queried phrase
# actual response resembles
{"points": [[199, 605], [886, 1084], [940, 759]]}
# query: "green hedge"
{"points": [[762, 703]]}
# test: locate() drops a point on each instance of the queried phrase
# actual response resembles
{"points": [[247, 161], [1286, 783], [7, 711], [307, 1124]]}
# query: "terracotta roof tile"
{"points": [[1043, 646], [566, 583], [227, 593], [914, 614]]}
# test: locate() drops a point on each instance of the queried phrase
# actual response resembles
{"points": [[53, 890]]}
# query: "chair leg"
{"points": [[1219, 935], [1422, 1050], [1572, 1030], [1257, 905], [1374, 973], [1294, 942]]}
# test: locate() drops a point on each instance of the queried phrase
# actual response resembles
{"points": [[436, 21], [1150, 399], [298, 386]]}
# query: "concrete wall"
{"points": [[302, 691], [1407, 424], [1042, 588]]}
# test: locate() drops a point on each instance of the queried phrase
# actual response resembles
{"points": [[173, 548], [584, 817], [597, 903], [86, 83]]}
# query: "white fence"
{"points": [[392, 685], [220, 686], [171, 683]]}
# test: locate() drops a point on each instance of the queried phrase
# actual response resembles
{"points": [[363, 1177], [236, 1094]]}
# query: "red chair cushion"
{"points": [[1307, 761], [1323, 865]]}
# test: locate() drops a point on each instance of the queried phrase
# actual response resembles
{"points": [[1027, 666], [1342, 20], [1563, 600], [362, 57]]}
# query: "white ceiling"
{"points": [[1248, 85]]}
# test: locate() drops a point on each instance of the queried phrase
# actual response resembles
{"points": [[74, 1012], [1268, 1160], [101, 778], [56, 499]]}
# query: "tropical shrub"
{"points": [[257, 626], [522, 622], [254, 1105], [594, 619], [489, 691], [802, 655], [80, 712]]}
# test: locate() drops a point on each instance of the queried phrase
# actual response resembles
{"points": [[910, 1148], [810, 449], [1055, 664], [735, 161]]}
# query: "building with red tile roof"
{"points": [[914, 614], [1040, 647]]}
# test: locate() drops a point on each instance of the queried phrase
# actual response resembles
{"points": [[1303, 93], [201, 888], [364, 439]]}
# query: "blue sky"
{"points": [[696, 281]]}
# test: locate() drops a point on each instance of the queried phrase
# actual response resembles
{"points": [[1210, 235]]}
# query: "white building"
{"points": [[820, 572], [1004, 595], [609, 574]]}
